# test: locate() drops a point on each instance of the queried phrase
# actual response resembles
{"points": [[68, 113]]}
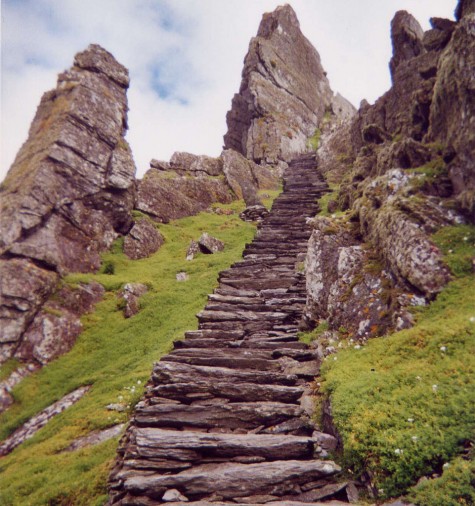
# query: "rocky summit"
{"points": [[332, 361], [284, 93]]}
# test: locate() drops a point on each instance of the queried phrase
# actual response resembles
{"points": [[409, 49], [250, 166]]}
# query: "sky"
{"points": [[185, 59]]}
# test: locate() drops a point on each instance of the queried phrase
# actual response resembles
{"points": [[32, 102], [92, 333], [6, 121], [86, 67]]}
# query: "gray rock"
{"points": [[182, 276], [143, 240], [239, 174], [254, 213], [406, 37], [193, 249], [130, 295], [209, 244], [24, 289], [283, 94], [173, 494]]}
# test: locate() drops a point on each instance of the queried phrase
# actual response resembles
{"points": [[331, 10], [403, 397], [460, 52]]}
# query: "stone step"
{"points": [[233, 480], [196, 446], [172, 372], [230, 361], [262, 344], [236, 392], [229, 416]]}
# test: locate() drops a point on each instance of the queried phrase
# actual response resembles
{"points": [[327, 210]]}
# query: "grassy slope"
{"points": [[115, 355], [404, 404]]}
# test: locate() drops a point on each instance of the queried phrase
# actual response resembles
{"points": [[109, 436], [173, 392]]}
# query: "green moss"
{"points": [[314, 141], [458, 244], [404, 404], [112, 354], [309, 337], [456, 486]]}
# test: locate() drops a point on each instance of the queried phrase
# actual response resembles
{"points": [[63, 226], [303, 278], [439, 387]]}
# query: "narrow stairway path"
{"points": [[226, 417]]}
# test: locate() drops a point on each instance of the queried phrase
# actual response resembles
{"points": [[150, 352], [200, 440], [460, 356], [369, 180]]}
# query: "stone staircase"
{"points": [[226, 419]]}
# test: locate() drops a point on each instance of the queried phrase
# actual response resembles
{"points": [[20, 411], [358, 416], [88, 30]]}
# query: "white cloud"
{"points": [[192, 50]]}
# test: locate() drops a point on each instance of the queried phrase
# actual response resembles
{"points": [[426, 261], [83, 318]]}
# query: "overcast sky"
{"points": [[185, 59]]}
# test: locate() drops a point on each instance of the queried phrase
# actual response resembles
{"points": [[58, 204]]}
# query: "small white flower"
{"points": [[446, 465], [139, 382], [380, 490], [357, 347], [443, 349], [334, 358], [418, 378], [414, 438], [435, 388], [465, 238], [120, 397], [398, 451], [410, 420], [472, 319], [451, 250]]}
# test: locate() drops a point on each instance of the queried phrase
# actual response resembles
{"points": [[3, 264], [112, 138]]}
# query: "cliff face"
{"points": [[68, 194], [284, 93], [404, 169]]}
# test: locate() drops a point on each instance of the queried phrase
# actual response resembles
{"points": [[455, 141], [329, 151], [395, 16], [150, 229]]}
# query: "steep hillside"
{"points": [[101, 273]]}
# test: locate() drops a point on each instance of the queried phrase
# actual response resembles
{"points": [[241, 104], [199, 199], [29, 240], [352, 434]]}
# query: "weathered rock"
{"points": [[193, 249], [406, 37], [239, 175], [7, 385], [24, 289], [95, 437], [173, 495], [452, 111], [209, 244], [182, 276], [254, 213], [283, 95], [143, 240], [464, 8], [235, 480], [130, 296], [52, 333], [167, 196], [196, 164], [68, 194], [34, 424]]}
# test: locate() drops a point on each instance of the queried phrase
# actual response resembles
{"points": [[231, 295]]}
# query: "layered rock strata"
{"points": [[404, 167], [189, 184], [284, 93], [69, 192], [226, 417]]}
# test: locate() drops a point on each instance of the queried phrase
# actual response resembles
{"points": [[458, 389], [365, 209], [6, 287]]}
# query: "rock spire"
{"points": [[284, 92], [69, 192]]}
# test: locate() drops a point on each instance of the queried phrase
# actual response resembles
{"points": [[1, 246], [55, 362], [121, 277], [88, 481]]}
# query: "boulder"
{"points": [[254, 213], [196, 164], [130, 296], [182, 276], [193, 249], [283, 95], [143, 240], [209, 244]]}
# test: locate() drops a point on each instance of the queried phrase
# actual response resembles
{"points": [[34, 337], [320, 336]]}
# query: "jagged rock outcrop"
{"points": [[69, 192], [284, 93], [405, 169], [189, 184]]}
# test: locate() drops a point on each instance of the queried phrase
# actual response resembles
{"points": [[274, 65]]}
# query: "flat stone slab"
{"points": [[231, 481]]}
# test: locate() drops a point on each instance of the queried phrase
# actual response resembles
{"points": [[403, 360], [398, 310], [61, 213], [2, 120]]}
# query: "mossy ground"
{"points": [[115, 356], [404, 403]]}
